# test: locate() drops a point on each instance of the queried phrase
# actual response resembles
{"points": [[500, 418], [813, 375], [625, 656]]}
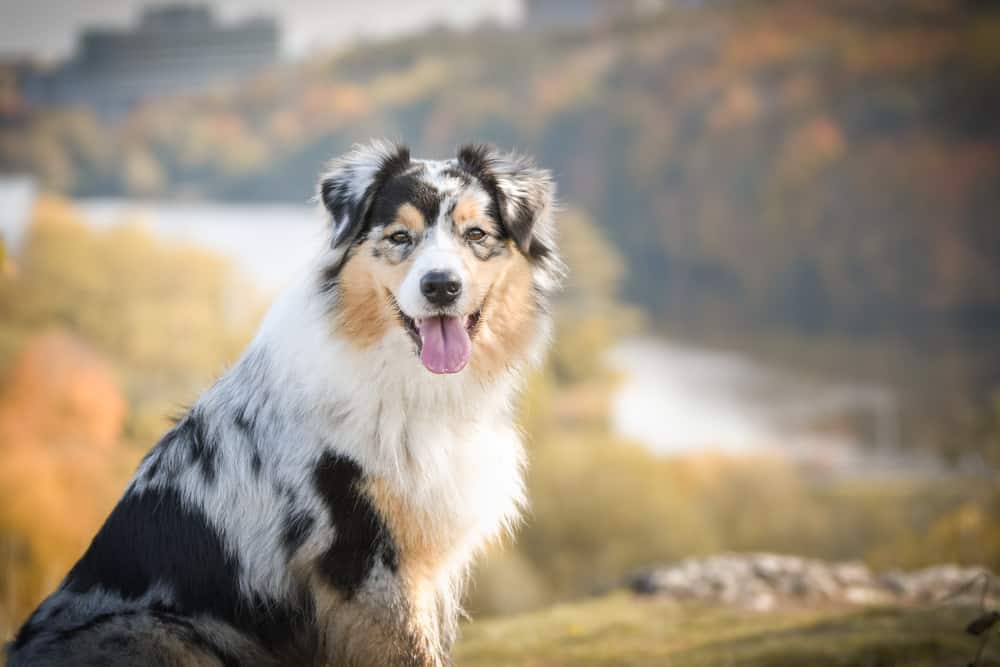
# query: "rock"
{"points": [[761, 581], [867, 595], [852, 574]]}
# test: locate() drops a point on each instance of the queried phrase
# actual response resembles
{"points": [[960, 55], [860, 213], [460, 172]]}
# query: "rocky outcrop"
{"points": [[763, 581]]}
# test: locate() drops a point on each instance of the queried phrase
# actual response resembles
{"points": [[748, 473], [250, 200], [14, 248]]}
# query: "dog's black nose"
{"points": [[441, 287]]}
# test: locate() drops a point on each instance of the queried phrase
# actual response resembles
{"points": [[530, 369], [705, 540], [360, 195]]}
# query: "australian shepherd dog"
{"points": [[322, 501]]}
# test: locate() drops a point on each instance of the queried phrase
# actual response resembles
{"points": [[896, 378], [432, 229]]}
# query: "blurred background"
{"points": [[782, 219]]}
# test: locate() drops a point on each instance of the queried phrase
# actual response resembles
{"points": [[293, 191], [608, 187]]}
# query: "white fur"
{"points": [[439, 251]]}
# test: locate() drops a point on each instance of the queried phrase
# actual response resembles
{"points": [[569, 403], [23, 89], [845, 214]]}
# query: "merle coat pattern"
{"points": [[321, 503]]}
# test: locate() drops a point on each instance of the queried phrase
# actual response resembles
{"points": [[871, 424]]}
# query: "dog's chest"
{"points": [[457, 486]]}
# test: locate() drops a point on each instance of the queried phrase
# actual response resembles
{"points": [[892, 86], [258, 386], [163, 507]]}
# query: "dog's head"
{"points": [[458, 255]]}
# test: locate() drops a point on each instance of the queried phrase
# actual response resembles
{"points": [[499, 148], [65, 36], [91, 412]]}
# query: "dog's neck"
{"points": [[371, 403], [445, 446]]}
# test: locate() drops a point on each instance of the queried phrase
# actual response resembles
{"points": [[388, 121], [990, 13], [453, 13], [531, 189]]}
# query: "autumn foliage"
{"points": [[61, 418], [103, 336], [818, 181]]}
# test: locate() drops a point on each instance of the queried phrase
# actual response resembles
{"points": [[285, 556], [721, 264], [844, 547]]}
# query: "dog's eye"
{"points": [[475, 234], [400, 237]]}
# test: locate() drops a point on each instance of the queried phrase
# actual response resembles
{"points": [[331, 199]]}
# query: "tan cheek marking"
{"points": [[363, 314], [410, 217], [509, 320]]}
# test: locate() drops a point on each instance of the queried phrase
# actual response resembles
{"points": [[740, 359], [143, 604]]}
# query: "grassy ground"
{"points": [[622, 629]]}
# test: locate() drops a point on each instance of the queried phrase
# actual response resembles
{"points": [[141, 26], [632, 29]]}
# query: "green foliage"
{"points": [[602, 509]]}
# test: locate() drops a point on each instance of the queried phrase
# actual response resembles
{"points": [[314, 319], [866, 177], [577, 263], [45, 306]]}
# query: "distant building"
{"points": [[547, 14], [173, 49], [12, 74]]}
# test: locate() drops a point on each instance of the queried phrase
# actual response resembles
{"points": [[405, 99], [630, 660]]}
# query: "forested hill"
{"points": [[817, 166]]}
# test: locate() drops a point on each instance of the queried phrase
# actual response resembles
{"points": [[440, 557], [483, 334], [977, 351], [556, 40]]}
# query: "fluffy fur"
{"points": [[321, 503]]}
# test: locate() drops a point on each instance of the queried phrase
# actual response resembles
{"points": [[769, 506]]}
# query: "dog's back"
{"points": [[157, 586], [68, 633]]}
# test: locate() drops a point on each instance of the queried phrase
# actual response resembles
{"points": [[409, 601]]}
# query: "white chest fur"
{"points": [[442, 451]]}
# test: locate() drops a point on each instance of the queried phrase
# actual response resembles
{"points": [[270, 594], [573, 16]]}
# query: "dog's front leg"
{"points": [[369, 631]]}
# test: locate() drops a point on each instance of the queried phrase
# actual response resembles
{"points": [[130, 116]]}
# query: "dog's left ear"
{"points": [[523, 195], [352, 181]]}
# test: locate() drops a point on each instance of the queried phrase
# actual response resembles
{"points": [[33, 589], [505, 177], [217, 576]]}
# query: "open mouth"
{"points": [[444, 342]]}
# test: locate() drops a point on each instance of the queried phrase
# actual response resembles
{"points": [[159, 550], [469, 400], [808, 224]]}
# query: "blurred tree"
{"points": [[140, 302], [61, 418], [103, 334]]}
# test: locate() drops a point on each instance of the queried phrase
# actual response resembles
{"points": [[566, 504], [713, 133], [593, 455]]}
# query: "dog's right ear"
{"points": [[522, 195], [351, 182]]}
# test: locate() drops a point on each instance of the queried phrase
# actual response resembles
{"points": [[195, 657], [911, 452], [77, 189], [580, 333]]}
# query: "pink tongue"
{"points": [[445, 344]]}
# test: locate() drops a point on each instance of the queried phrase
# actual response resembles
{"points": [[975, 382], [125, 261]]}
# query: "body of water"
{"points": [[17, 196], [267, 242], [679, 399]]}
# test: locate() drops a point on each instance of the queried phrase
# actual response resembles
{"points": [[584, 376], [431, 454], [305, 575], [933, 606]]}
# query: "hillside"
{"points": [[623, 629], [819, 166]]}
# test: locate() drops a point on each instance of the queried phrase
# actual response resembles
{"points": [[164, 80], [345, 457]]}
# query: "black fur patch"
{"points": [[248, 417], [153, 468], [353, 214], [117, 642], [91, 623], [477, 161], [361, 537], [463, 175], [406, 189], [298, 526], [521, 226], [330, 275], [335, 192], [28, 631], [202, 450], [246, 422], [155, 537], [255, 462], [187, 443]]}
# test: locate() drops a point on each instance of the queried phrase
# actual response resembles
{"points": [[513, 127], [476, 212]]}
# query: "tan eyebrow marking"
{"points": [[410, 217], [465, 210], [468, 210]]}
